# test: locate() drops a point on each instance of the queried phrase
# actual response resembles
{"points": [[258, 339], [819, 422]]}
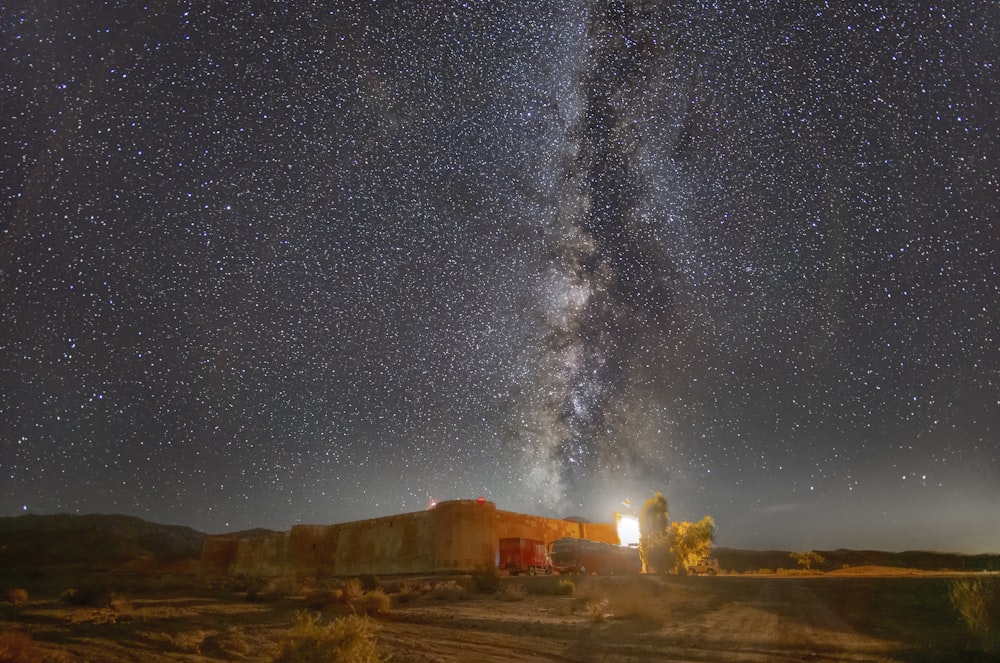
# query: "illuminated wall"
{"points": [[458, 535]]}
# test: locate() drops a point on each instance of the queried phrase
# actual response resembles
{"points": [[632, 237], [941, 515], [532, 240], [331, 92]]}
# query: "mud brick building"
{"points": [[457, 535]]}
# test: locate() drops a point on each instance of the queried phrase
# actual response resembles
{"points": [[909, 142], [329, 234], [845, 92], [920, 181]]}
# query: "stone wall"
{"points": [[458, 535]]}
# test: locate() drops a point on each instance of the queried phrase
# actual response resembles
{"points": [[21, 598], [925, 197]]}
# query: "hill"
{"points": [[37, 540]]}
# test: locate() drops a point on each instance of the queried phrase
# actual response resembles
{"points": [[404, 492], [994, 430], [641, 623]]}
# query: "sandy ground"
{"points": [[727, 618]]}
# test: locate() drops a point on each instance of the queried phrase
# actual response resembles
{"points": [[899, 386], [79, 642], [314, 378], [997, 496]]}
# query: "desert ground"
{"points": [[857, 615]]}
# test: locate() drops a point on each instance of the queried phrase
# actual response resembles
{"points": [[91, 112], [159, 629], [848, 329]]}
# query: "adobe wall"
{"points": [[511, 525], [457, 535]]}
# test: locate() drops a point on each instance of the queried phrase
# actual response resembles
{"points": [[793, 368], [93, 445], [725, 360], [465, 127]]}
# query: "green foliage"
{"points": [[808, 559], [654, 523], [349, 639], [689, 542], [486, 580], [977, 601]]}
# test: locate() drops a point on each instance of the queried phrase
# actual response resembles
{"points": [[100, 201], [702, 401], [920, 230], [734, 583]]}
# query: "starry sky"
{"points": [[264, 263]]}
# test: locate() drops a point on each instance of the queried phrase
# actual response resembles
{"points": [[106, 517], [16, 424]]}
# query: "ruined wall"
{"points": [[454, 536]]}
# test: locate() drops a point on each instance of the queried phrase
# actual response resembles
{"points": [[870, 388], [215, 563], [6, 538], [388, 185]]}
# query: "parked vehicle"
{"points": [[524, 556], [705, 566], [582, 556]]}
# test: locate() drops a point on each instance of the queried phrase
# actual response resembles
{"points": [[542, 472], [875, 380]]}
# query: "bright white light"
{"points": [[628, 529]]}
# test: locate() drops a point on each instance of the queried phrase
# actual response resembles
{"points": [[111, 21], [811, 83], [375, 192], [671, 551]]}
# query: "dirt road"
{"points": [[698, 619], [610, 619]]}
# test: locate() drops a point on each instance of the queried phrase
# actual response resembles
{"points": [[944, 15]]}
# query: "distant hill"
{"points": [[733, 559], [34, 540]]}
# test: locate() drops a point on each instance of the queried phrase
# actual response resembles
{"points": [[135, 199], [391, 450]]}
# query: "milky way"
{"points": [[283, 263]]}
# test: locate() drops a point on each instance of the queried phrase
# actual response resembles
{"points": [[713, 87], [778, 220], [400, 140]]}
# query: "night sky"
{"points": [[264, 263]]}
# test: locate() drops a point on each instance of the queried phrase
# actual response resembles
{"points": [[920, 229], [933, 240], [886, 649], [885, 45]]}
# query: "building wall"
{"points": [[457, 535]]}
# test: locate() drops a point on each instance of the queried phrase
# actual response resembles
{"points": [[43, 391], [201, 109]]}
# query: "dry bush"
{"points": [[408, 593], [977, 600], [16, 647], [596, 608], [513, 592], [486, 580], [352, 590], [349, 639], [449, 590], [374, 602], [17, 596]]}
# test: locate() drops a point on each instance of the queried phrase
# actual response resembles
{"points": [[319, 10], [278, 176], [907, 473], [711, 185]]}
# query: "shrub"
{"points": [[565, 588], [596, 608], [406, 593], [17, 596], [349, 639], [448, 590], [15, 647], [486, 580], [352, 590], [977, 601], [513, 592], [375, 602]]}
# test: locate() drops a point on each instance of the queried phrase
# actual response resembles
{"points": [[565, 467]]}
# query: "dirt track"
{"points": [[689, 620], [611, 619]]}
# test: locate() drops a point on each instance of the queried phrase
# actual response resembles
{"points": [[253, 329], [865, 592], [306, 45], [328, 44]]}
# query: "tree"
{"points": [[807, 559], [690, 542], [654, 526]]}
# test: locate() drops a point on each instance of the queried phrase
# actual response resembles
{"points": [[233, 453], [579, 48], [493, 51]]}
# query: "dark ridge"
{"points": [[733, 559], [36, 540]]}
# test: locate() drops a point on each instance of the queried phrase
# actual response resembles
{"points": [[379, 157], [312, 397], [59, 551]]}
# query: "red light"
{"points": [[480, 500]]}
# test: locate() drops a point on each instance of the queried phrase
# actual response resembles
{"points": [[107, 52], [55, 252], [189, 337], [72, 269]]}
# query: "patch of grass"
{"points": [[349, 639], [977, 601]]}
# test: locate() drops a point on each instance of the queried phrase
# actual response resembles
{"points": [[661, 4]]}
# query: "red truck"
{"points": [[524, 556]]}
